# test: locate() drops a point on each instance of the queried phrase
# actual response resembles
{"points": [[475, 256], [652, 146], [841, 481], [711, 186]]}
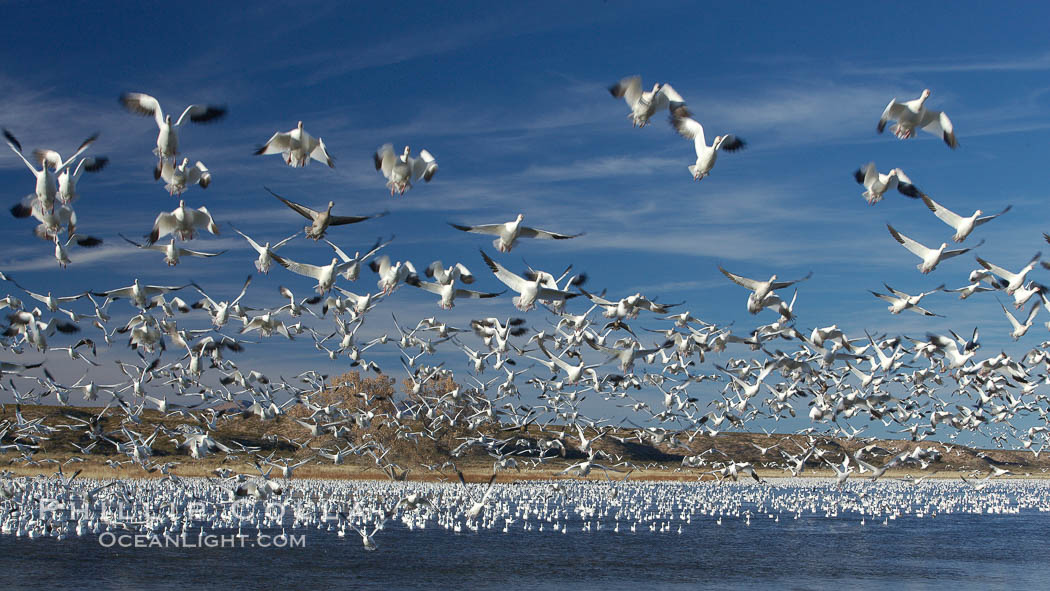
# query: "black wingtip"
{"points": [[11, 138], [21, 210], [859, 175]]}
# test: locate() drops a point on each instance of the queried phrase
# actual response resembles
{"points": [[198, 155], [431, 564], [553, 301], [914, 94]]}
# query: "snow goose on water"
{"points": [[183, 222], [321, 220], [963, 226], [877, 183], [167, 137], [912, 114], [401, 170], [509, 233], [298, 148], [930, 257], [644, 105], [690, 128]]}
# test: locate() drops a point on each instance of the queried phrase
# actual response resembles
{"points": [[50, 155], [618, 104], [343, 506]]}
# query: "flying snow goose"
{"points": [[901, 301], [963, 226], [930, 257], [62, 255], [321, 220], [509, 233], [167, 137], [528, 291], [325, 275], [51, 165], [761, 289], [354, 270], [178, 178], [1013, 280], [67, 181], [51, 220], [448, 291], [183, 222], [141, 296], [1019, 329], [401, 170], [458, 272], [912, 114], [877, 183], [171, 252], [298, 148], [690, 128], [390, 276], [644, 105], [265, 251]]}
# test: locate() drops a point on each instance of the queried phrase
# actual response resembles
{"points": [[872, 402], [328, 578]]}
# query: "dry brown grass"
{"points": [[651, 461]]}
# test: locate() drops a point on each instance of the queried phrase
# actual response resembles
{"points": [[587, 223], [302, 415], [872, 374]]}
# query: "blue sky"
{"points": [[512, 102]]}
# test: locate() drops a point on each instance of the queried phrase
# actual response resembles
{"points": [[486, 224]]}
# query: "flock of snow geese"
{"points": [[916, 386]]}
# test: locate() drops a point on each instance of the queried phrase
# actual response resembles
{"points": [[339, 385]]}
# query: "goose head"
{"points": [[167, 120], [331, 204], [300, 126]]}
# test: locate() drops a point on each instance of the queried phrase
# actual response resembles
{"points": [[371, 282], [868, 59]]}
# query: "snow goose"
{"points": [[690, 128], [297, 146], [321, 220], [265, 251], [1019, 329], [390, 276], [220, 311], [51, 165], [912, 114], [1013, 280], [183, 222], [354, 270], [930, 257], [67, 181], [401, 170], [508, 233], [62, 255], [167, 136], [458, 272], [171, 252], [325, 275], [963, 226], [52, 221], [141, 296], [448, 291], [761, 289], [528, 291], [877, 183], [901, 301], [178, 178], [644, 105]]}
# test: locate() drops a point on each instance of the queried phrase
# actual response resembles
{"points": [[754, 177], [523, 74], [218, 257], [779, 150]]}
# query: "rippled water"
{"points": [[964, 551]]}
